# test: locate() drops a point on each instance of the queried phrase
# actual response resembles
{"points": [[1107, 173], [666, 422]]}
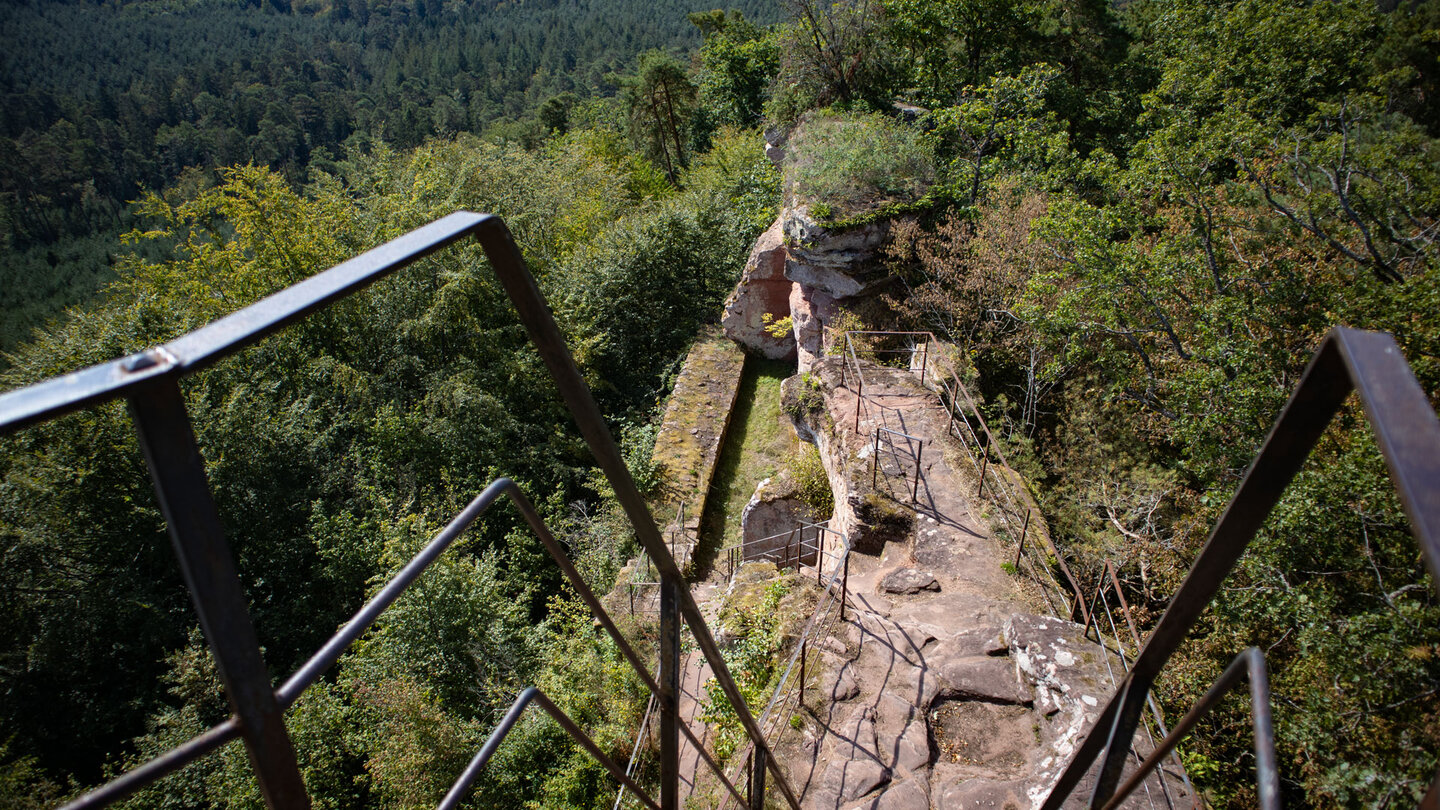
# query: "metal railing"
{"points": [[857, 342], [1035, 554], [796, 548], [1408, 435], [150, 383], [875, 465], [644, 579], [792, 679], [1153, 719]]}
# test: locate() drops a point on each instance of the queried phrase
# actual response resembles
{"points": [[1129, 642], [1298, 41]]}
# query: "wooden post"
{"points": [[984, 462]]}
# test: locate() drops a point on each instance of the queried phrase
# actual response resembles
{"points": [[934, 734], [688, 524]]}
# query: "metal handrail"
{"points": [[1408, 435], [1113, 582], [875, 459], [149, 381], [1249, 665], [839, 574], [532, 694], [1009, 501], [821, 529]]}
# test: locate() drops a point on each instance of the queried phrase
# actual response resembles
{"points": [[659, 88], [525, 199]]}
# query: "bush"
{"points": [[858, 161], [812, 485]]}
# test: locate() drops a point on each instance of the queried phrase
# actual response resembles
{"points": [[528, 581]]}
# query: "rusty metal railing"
{"points": [[1034, 551], [876, 466], [150, 383], [1408, 434], [803, 545], [757, 759]]}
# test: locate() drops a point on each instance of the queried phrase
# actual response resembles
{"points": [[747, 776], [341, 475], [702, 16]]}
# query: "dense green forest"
{"points": [[99, 101], [1138, 221]]}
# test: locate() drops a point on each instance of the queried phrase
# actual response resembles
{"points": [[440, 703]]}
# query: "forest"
{"points": [[1136, 220]]}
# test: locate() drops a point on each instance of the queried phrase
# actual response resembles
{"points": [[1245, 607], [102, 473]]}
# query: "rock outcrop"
{"points": [[769, 526], [804, 269], [762, 298]]}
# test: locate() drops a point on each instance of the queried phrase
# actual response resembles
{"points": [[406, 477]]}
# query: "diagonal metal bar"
{"points": [[534, 695], [545, 335], [208, 566], [158, 768], [228, 335], [1408, 434], [1405, 428], [1249, 665], [132, 376]]}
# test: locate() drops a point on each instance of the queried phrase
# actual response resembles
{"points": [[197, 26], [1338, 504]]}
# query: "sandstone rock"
{"points": [[855, 737], [849, 779], [983, 678], [909, 794], [775, 140], [839, 683], [811, 309], [763, 290], [909, 580], [902, 735], [975, 641], [767, 523], [837, 262], [981, 794]]}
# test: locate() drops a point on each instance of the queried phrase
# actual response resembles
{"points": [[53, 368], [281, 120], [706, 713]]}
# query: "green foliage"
{"points": [[856, 162], [661, 99], [650, 281], [106, 100], [1138, 317], [808, 398], [735, 170], [637, 444], [812, 484], [1003, 124], [777, 327], [336, 448], [737, 63], [831, 55], [759, 627]]}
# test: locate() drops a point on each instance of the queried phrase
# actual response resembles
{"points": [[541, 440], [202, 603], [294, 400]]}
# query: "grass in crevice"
{"points": [[759, 439]]}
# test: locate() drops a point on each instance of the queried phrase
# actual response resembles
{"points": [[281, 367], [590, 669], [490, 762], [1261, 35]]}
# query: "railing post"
{"points": [[859, 395], [924, 362], [950, 409], [208, 566], [875, 459], [844, 587], [984, 462], [804, 648], [669, 694], [1020, 549], [915, 486], [757, 779]]}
